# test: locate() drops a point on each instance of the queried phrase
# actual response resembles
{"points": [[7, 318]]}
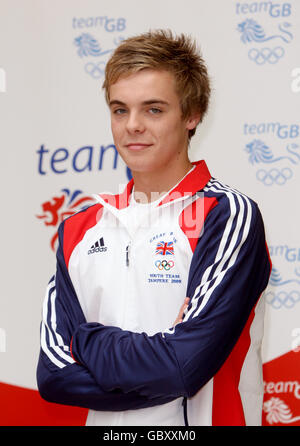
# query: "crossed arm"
{"points": [[60, 378], [107, 368]]}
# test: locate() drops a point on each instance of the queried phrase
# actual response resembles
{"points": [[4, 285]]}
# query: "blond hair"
{"points": [[161, 50]]}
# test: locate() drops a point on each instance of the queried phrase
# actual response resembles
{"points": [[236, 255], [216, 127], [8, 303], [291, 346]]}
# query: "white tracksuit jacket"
{"points": [[107, 336]]}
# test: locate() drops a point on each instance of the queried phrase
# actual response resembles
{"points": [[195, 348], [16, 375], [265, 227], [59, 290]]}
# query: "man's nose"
{"points": [[135, 123]]}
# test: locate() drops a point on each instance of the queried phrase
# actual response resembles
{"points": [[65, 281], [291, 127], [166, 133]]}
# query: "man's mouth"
{"points": [[137, 146]]}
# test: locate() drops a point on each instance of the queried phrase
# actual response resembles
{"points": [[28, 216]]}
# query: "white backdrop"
{"points": [[57, 148]]}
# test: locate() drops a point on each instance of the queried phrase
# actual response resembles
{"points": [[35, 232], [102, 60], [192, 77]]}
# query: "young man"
{"points": [[118, 335]]}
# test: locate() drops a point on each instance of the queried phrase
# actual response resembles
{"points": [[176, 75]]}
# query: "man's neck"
{"points": [[150, 186]]}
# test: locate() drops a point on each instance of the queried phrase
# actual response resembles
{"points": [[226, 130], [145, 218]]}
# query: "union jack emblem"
{"points": [[164, 248]]}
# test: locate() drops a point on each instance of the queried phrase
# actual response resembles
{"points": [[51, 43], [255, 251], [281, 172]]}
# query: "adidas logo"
{"points": [[98, 246]]}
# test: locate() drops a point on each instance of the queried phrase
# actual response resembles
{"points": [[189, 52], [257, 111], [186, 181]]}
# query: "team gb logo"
{"points": [[59, 207]]}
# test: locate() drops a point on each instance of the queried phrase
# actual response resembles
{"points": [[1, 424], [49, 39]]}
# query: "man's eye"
{"points": [[119, 111], [155, 111]]}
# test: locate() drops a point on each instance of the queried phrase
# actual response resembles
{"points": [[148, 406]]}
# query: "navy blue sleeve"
{"points": [[229, 271], [60, 379]]}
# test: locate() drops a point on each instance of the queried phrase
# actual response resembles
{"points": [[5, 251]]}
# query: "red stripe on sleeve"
{"points": [[192, 218], [227, 407]]}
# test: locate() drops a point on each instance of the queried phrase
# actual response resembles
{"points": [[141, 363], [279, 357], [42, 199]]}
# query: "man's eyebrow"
{"points": [[155, 101], [116, 102], [148, 102]]}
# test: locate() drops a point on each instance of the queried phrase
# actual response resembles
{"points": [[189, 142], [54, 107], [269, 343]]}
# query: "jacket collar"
{"points": [[188, 186]]}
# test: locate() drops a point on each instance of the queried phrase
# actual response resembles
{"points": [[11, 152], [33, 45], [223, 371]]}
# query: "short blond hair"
{"points": [[161, 50]]}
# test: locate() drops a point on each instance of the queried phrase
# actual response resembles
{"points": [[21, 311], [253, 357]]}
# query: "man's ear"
{"points": [[193, 121]]}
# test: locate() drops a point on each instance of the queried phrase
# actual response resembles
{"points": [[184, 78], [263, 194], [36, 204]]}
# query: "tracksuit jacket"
{"points": [[107, 337]]}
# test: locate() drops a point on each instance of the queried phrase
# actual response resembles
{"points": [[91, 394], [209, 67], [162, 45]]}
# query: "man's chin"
{"points": [[140, 164]]}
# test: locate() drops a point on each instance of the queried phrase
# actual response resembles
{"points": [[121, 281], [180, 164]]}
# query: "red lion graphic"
{"points": [[60, 207]]}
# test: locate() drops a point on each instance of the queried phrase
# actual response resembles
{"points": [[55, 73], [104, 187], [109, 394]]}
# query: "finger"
{"points": [[181, 311], [186, 303], [183, 307]]}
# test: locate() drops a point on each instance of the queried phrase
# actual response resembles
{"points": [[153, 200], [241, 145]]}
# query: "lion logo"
{"points": [[55, 210], [88, 46], [278, 412], [259, 152], [251, 31]]}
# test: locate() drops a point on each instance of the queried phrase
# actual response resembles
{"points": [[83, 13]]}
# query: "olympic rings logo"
{"points": [[266, 55], [276, 176], [94, 70], [164, 264], [283, 299]]}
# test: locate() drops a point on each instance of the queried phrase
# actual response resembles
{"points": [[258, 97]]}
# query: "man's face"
{"points": [[146, 121]]}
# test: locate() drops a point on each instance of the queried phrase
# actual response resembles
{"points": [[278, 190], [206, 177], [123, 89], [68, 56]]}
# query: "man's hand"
{"points": [[181, 311]]}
